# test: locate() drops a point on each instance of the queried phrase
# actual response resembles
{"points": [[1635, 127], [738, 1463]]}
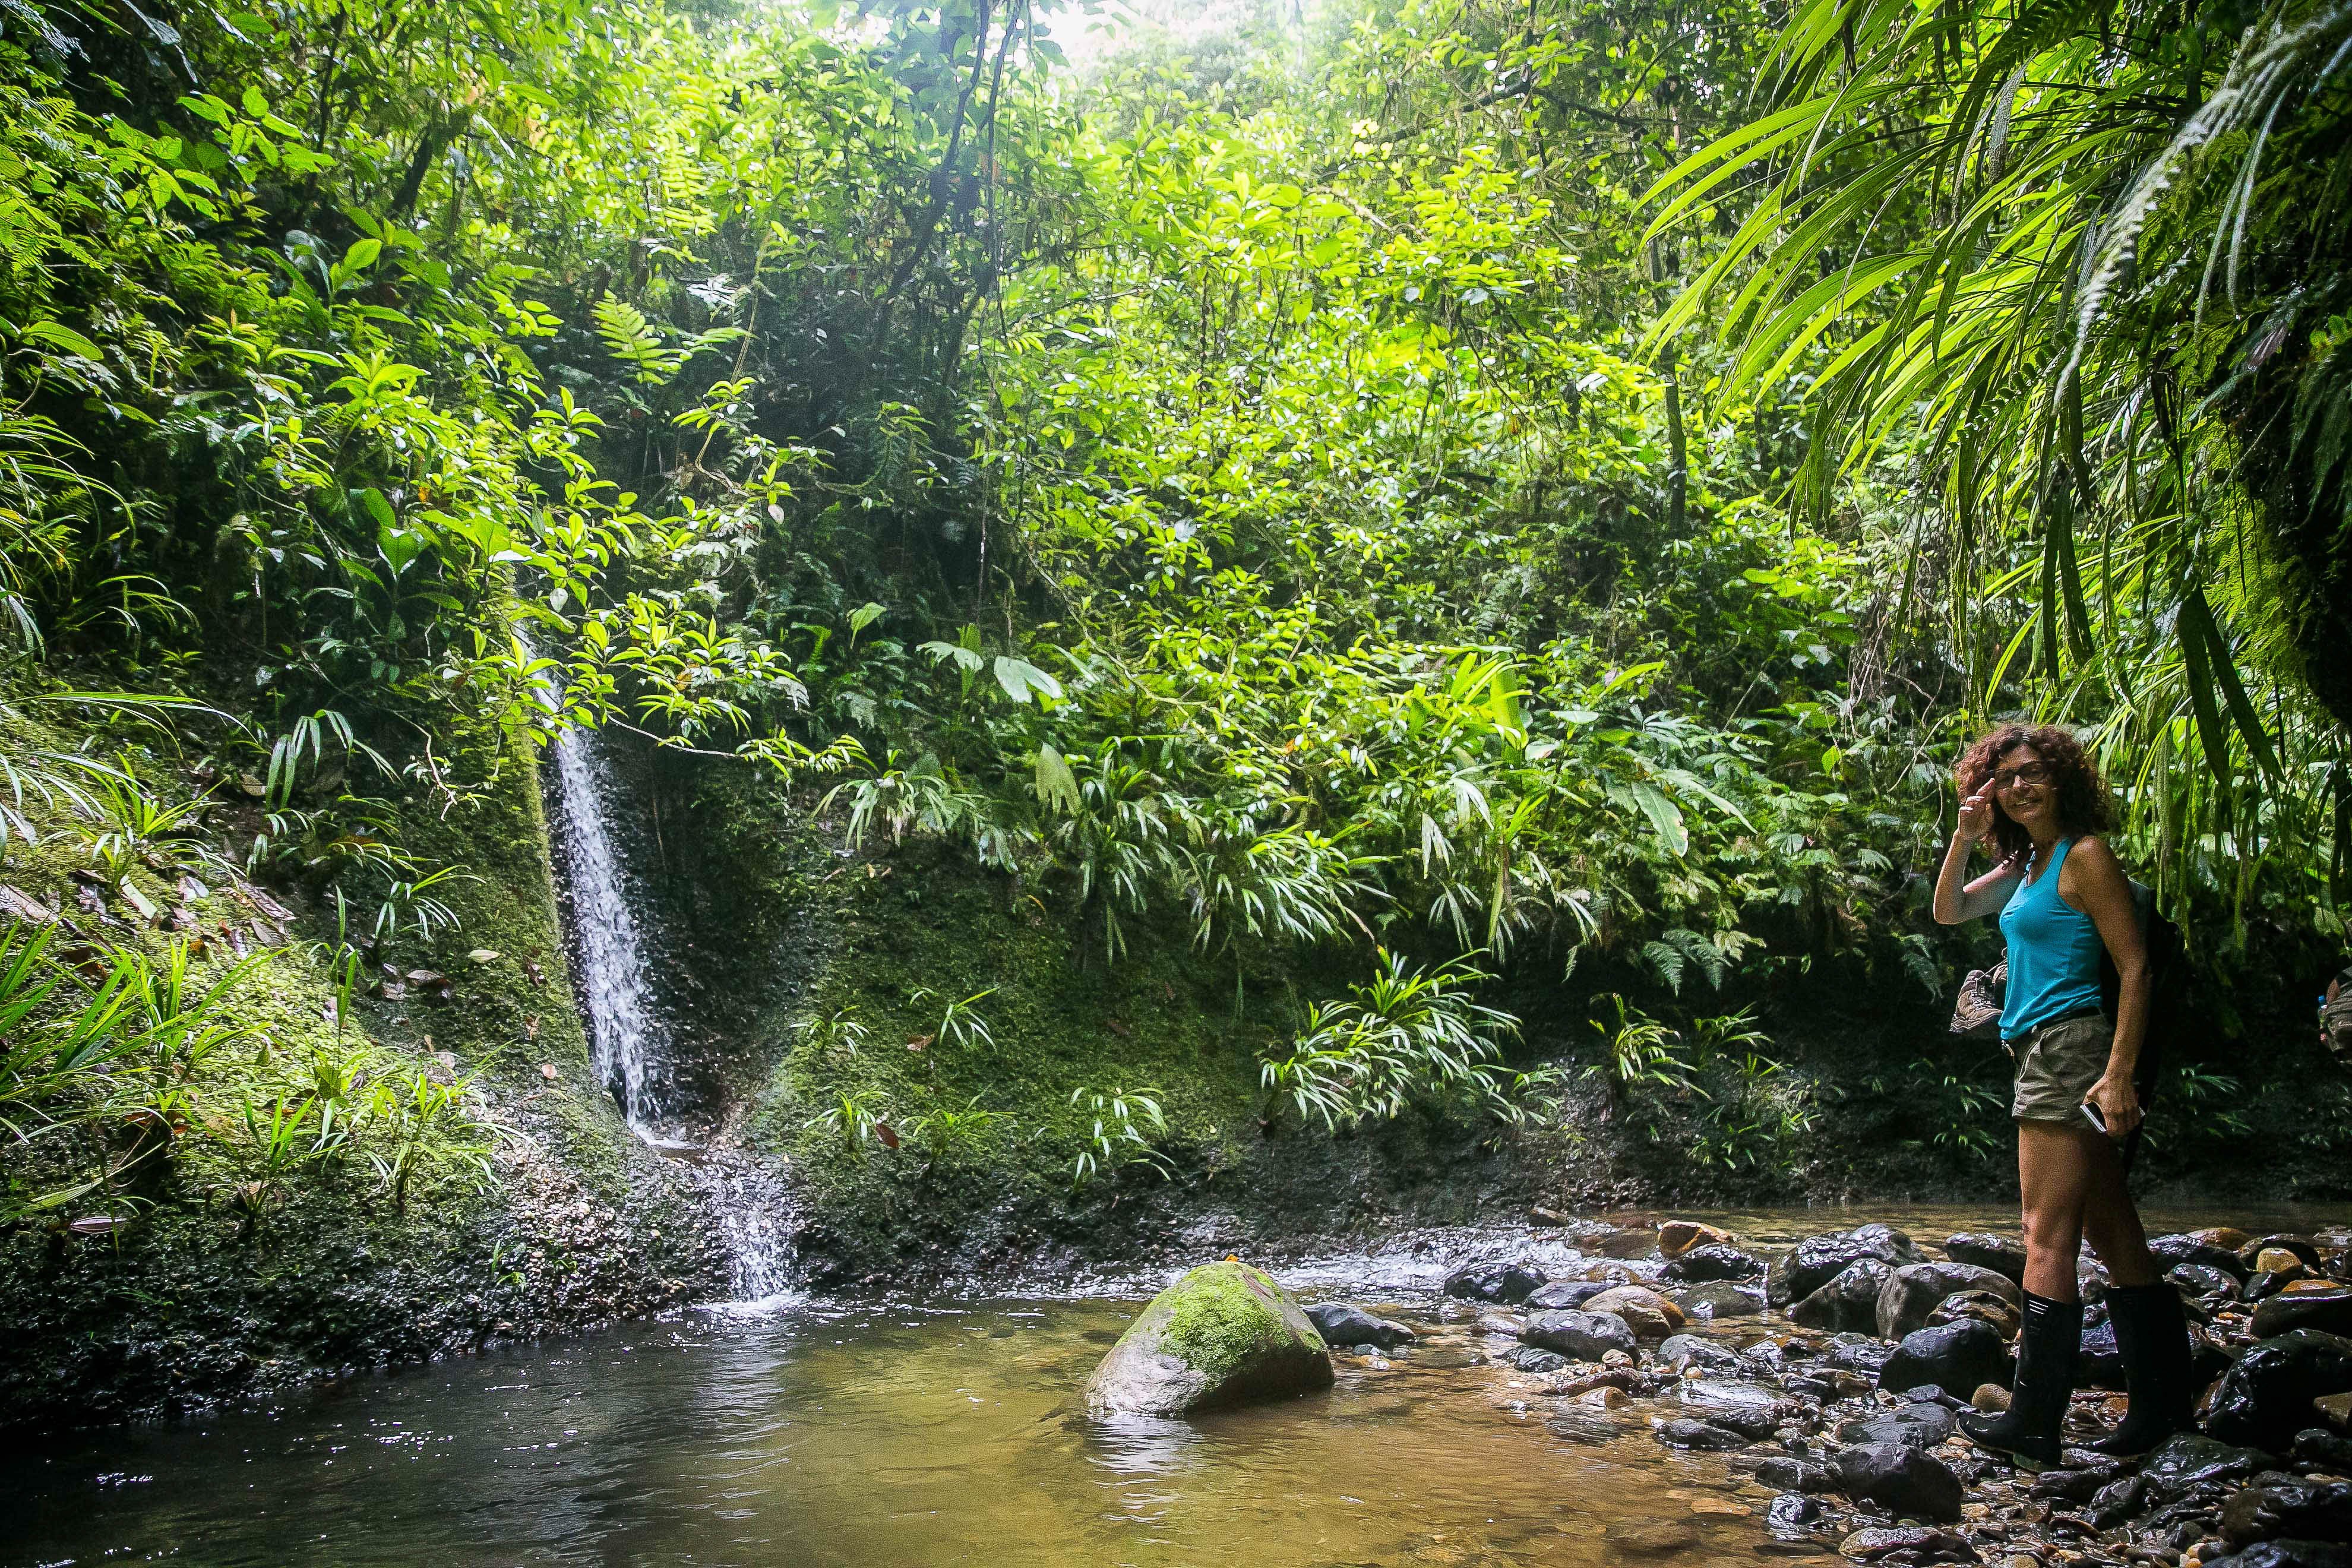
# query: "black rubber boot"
{"points": [[2047, 1346], [2153, 1335]]}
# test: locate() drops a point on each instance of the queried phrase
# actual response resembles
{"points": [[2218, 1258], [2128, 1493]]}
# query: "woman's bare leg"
{"points": [[2110, 1219], [2054, 1179]]}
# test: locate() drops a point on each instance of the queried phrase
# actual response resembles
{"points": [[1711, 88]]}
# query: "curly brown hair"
{"points": [[2084, 804]]}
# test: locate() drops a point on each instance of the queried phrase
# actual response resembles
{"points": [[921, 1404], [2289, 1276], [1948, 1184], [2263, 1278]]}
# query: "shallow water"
{"points": [[817, 1436]]}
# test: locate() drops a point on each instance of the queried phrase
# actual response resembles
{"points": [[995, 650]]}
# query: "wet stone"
{"points": [[1585, 1336], [2117, 1501], [2300, 1510], [1998, 1253], [1529, 1359], [1714, 1261], [1907, 1545], [2204, 1280], [1650, 1315], [2070, 1484], [1845, 1303], [1914, 1291], [1689, 1349], [1509, 1283], [1563, 1294], [1818, 1259], [2287, 1554], [1343, 1324], [1906, 1479], [1746, 1409], [2188, 1459], [2327, 1308], [1720, 1298], [1916, 1425], [1678, 1237], [1791, 1474], [1984, 1306], [1792, 1514], [2173, 1251], [2265, 1398], [2100, 1363], [1858, 1353], [1951, 1355], [1683, 1432], [2318, 1446]]}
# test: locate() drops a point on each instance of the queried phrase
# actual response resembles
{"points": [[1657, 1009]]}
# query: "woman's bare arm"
{"points": [[1957, 899], [2092, 881]]}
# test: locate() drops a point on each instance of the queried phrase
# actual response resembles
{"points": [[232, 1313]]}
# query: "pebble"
{"points": [[1815, 1422]]}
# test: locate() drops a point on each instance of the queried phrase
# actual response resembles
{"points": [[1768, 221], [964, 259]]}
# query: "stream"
{"points": [[859, 1434]]}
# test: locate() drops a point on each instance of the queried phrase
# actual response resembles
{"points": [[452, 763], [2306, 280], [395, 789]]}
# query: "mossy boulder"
{"points": [[1223, 1334]]}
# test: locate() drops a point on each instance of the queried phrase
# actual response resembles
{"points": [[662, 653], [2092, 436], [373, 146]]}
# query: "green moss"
{"points": [[1224, 1315]]}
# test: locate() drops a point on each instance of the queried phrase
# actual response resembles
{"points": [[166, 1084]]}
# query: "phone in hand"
{"points": [[2091, 1114]]}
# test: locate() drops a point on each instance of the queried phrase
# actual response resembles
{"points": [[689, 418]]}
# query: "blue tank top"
{"points": [[2053, 952]]}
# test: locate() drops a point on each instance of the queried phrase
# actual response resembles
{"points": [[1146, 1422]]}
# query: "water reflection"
{"points": [[821, 1437]]}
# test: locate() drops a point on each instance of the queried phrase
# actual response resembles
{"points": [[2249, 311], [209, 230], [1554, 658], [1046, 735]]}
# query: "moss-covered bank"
{"points": [[235, 1272]]}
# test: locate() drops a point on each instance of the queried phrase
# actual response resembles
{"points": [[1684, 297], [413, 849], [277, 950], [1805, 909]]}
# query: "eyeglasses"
{"points": [[2031, 774]]}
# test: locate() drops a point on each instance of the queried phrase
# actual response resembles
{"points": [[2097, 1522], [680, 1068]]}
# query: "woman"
{"points": [[2061, 894]]}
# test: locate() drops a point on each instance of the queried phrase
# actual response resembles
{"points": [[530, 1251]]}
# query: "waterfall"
{"points": [[622, 1032], [750, 1209]]}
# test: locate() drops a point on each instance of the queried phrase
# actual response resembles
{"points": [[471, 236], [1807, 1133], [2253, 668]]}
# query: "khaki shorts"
{"points": [[2056, 1066]]}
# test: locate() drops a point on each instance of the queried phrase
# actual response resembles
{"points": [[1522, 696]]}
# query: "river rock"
{"points": [[1793, 1515], [1683, 1432], [1563, 1294], [1913, 1292], [2299, 1511], [1788, 1473], [1718, 1299], [2099, 1364], [1688, 1350], [1650, 1315], [2288, 1555], [1910, 1544], [1583, 1336], [1818, 1259], [1998, 1253], [2321, 1449], [2304, 1249], [1858, 1353], [2322, 1304], [1918, 1425], [1954, 1355], [1223, 1334], [1678, 1237], [1340, 1324], [2228, 1237], [2204, 1281], [1846, 1303], [2172, 1251], [1904, 1478], [1983, 1306], [2265, 1399], [2187, 1459], [1749, 1408], [1510, 1283], [1716, 1261], [1534, 1359]]}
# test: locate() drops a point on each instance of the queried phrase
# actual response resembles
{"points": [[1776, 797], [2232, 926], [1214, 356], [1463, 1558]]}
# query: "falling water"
{"points": [[749, 1205], [622, 1029]]}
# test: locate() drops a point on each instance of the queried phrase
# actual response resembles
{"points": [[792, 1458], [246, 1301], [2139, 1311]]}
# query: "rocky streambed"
{"points": [[1829, 1373]]}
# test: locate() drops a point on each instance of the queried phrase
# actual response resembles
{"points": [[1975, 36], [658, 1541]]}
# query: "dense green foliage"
{"points": [[1267, 486]]}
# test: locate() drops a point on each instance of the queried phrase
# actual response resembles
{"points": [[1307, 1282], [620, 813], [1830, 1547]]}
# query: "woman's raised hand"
{"points": [[1976, 816]]}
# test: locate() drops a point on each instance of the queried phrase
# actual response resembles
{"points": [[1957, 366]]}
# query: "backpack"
{"points": [[2336, 1018], [2167, 977]]}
